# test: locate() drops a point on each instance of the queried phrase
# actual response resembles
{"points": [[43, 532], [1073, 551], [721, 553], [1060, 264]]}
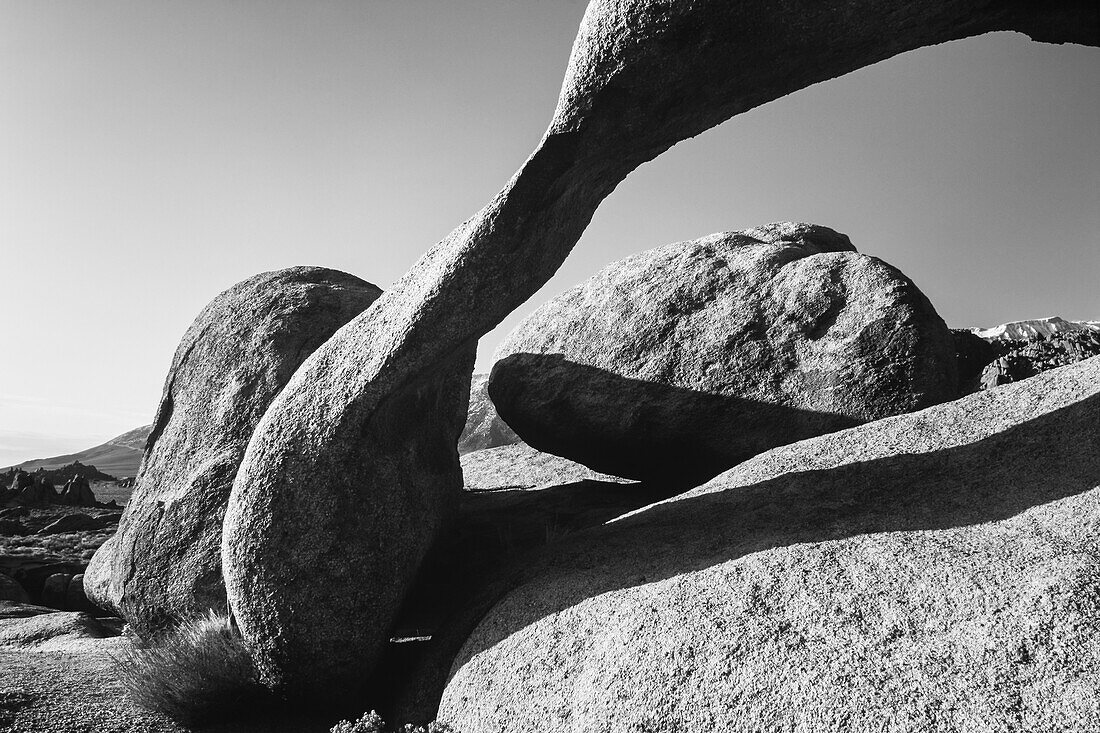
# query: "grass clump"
{"points": [[198, 671], [372, 723]]}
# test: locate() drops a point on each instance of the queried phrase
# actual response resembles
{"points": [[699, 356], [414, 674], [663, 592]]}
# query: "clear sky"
{"points": [[154, 153]]}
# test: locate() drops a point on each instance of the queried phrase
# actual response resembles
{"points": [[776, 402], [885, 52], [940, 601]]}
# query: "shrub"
{"points": [[372, 723], [194, 672]]}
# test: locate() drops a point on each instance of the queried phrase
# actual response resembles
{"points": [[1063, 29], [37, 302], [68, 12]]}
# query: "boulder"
{"points": [[484, 428], [75, 599], [40, 490], [164, 562], [49, 631], [680, 362], [55, 590], [11, 590], [75, 523], [77, 492], [20, 609], [20, 481], [33, 576], [932, 571], [642, 76]]}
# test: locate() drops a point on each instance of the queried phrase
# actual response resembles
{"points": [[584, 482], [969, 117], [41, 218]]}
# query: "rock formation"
{"points": [[1023, 349], [369, 411], [55, 590], [164, 562], [675, 364], [77, 492], [11, 590], [924, 570], [484, 428], [21, 480]]}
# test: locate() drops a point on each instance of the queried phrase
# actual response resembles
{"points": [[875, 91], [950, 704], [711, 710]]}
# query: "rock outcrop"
{"points": [[164, 562], [677, 363], [926, 571], [20, 480], [642, 76], [11, 590], [77, 492], [43, 632], [1023, 349], [484, 428], [55, 590]]}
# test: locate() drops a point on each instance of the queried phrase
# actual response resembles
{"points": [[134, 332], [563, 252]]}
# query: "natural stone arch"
{"points": [[643, 75]]}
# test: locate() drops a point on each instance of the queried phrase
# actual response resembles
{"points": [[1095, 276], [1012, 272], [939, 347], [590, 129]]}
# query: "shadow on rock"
{"points": [[669, 435]]}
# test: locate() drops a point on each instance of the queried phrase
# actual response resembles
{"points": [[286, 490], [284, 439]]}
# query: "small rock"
{"points": [[11, 590], [55, 590]]}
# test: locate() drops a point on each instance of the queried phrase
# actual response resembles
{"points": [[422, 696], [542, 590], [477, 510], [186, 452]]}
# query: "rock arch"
{"points": [[643, 75]]}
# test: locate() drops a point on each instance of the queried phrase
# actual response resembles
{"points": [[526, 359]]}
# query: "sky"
{"points": [[155, 153]]}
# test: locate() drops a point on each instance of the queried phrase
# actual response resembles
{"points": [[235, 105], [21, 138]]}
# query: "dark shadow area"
{"points": [[470, 569], [1050, 457], [661, 433]]}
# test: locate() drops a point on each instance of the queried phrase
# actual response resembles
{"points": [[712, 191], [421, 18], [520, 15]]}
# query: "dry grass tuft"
{"points": [[196, 672]]}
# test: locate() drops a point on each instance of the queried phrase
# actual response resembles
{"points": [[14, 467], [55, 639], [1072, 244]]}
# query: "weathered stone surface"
{"points": [[520, 466], [11, 590], [317, 606], [238, 354], [1023, 349], [44, 631], [77, 492], [931, 571], [642, 76], [20, 609], [484, 428], [76, 523], [677, 363]]}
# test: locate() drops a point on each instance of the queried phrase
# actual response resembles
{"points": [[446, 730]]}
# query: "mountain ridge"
{"points": [[120, 456]]}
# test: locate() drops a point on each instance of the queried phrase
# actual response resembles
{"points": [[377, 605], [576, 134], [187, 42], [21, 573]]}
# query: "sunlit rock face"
{"points": [[675, 364], [924, 569], [165, 561], [373, 416]]}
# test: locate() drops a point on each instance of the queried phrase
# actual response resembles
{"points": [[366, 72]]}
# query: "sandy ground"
{"points": [[71, 690], [67, 683]]}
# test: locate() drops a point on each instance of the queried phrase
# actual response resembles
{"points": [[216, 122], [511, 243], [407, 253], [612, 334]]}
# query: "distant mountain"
{"points": [[120, 456], [1038, 329], [1022, 349]]}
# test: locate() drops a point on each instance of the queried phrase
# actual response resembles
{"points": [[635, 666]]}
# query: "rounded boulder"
{"points": [[165, 561], [677, 363]]}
